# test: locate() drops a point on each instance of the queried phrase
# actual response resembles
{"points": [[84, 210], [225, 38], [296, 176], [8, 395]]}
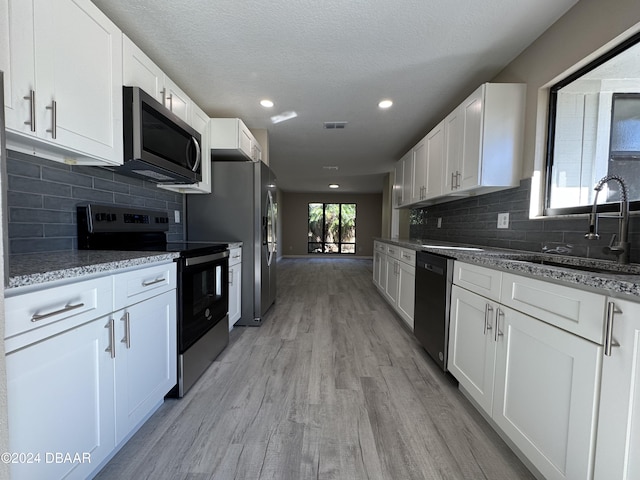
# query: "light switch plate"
{"points": [[176, 215], [503, 220]]}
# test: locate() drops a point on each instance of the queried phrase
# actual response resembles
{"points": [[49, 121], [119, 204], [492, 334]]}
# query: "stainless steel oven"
{"points": [[203, 298], [203, 279]]}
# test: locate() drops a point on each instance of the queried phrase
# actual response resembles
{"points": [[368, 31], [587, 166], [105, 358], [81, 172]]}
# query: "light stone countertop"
{"points": [[518, 262], [37, 268]]}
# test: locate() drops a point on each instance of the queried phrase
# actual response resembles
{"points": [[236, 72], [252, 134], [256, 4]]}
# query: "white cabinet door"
{"points": [[619, 421], [419, 171], [146, 365], [492, 136], [435, 161], [176, 100], [453, 128], [546, 394], [471, 112], [472, 347], [60, 399], [407, 180], [138, 70], [406, 292], [398, 179], [391, 279], [66, 81]]}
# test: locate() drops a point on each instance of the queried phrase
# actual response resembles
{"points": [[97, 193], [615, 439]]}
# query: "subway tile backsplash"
{"points": [[43, 195], [473, 220]]}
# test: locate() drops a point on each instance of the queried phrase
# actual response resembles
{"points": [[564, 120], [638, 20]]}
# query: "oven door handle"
{"points": [[189, 262]]}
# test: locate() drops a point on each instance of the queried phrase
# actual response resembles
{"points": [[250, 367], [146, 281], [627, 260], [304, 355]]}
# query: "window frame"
{"points": [[551, 124], [339, 243]]}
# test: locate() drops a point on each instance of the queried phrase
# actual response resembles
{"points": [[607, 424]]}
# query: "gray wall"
{"points": [[294, 211], [42, 199]]}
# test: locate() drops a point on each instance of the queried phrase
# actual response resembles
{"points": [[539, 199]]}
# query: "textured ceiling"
{"points": [[333, 60]]}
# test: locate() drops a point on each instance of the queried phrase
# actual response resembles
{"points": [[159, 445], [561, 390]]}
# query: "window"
{"points": [[332, 228], [594, 131]]}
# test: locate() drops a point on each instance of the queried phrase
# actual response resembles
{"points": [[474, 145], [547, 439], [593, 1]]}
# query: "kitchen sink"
{"points": [[584, 268]]}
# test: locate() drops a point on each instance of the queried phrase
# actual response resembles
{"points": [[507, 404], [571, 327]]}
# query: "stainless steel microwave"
{"points": [[158, 145]]}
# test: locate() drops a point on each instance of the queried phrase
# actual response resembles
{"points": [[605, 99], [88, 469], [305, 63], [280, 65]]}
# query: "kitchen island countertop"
{"points": [[519, 262]]}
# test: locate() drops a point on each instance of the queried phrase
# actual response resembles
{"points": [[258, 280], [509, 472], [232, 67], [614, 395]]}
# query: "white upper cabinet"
{"points": [[476, 149], [64, 82], [230, 139], [407, 178], [492, 136]]}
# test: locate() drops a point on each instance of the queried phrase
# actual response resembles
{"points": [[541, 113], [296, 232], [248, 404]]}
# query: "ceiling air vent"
{"points": [[335, 125]]}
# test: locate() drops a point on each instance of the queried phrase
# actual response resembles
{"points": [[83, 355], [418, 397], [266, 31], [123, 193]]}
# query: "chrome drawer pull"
{"points": [[112, 338], [67, 308], [54, 119], [153, 282]]}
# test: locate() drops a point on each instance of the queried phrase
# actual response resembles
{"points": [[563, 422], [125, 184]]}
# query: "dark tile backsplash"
{"points": [[43, 195], [473, 220]]}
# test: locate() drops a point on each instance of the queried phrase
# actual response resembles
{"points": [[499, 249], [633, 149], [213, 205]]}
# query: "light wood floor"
{"points": [[331, 386]]}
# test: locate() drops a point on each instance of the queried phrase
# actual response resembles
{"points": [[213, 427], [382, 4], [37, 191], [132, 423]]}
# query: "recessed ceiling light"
{"points": [[334, 185], [385, 103], [266, 103]]}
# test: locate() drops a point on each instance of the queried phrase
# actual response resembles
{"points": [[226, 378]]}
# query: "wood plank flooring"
{"points": [[331, 386]]}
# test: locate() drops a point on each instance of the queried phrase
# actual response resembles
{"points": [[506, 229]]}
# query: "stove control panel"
{"points": [[94, 218]]}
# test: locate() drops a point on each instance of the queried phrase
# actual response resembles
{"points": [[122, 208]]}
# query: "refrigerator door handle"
{"points": [[269, 221]]}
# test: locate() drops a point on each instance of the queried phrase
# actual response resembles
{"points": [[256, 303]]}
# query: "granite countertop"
{"points": [[520, 262], [36, 268]]}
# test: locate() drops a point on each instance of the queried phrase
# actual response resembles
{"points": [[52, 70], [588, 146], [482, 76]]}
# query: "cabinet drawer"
{"points": [[379, 247], [481, 280], [393, 251], [408, 256], [576, 311], [138, 285], [235, 256], [42, 313]]}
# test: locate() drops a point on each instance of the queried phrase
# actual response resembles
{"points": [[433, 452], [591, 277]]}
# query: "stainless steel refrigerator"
{"points": [[241, 207]]}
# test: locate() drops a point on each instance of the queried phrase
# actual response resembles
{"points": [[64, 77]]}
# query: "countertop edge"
{"points": [[508, 261]]}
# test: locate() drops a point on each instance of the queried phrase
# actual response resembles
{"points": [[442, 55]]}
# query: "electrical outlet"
{"points": [[503, 220], [176, 215], [439, 222]]}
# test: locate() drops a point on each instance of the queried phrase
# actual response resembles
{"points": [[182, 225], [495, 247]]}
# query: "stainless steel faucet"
{"points": [[620, 248]]}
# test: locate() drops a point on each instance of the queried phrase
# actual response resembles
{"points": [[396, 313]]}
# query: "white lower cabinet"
{"points": [[618, 441], [394, 274], [235, 285], [61, 399], [145, 359], [80, 385], [537, 382]]}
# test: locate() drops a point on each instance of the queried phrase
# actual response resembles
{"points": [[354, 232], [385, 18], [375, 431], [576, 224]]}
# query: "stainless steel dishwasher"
{"points": [[434, 275]]}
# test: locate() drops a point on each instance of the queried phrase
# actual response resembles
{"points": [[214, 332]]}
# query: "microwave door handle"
{"points": [[198, 154]]}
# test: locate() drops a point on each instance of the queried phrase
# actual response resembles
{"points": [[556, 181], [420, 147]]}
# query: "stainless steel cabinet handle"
{"points": [[67, 308], [609, 342], [153, 282], [32, 100], [458, 175], [112, 338], [127, 329], [487, 315], [163, 94], [170, 98], [499, 315], [54, 119]]}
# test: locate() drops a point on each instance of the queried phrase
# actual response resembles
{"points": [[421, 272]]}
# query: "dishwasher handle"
{"points": [[432, 268]]}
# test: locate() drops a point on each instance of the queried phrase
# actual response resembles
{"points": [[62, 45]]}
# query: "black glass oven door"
{"points": [[204, 297]]}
